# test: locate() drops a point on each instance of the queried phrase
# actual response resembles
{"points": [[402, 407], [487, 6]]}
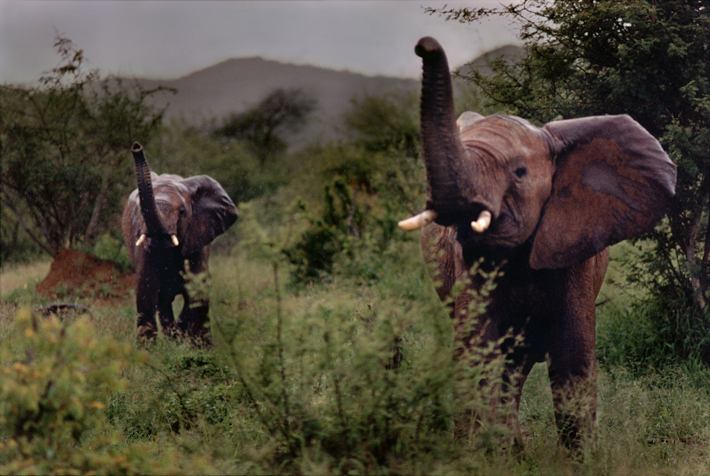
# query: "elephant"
{"points": [[541, 206], [168, 224]]}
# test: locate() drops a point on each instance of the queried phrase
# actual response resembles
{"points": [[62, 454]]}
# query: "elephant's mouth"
{"points": [[161, 240], [471, 227], [467, 236]]}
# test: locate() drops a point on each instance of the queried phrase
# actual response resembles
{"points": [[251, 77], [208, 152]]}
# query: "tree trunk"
{"points": [[42, 244]]}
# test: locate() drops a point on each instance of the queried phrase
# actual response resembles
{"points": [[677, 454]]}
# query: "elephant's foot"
{"points": [[575, 414], [575, 431], [146, 333], [201, 339], [198, 335], [170, 330], [492, 432], [194, 324]]}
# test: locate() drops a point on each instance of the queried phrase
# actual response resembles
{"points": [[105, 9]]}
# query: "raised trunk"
{"points": [[448, 171], [145, 192]]}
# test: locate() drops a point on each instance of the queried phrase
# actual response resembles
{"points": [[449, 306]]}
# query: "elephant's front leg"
{"points": [[491, 374], [490, 392], [574, 395], [491, 406], [147, 288], [572, 353], [165, 313]]}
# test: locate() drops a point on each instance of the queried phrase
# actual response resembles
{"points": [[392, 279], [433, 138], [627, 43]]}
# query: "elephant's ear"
{"points": [[467, 119], [613, 181], [212, 213]]}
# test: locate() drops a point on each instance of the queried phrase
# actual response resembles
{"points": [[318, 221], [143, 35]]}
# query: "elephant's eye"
{"points": [[182, 211], [520, 172]]}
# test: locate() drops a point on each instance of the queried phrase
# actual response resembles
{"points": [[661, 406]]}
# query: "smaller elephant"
{"points": [[169, 221]]}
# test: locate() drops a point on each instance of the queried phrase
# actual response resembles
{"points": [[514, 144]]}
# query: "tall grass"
{"points": [[302, 381]]}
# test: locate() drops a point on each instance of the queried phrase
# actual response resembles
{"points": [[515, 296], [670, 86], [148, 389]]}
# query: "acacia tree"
{"points": [[261, 126], [63, 149], [646, 58]]}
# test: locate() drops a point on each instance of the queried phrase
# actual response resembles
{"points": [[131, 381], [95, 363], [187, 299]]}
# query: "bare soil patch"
{"points": [[78, 275]]}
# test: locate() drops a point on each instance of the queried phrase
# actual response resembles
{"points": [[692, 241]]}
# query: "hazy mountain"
{"points": [[509, 53], [237, 84]]}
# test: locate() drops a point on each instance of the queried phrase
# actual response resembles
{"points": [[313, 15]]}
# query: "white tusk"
{"points": [[141, 239], [483, 222], [175, 240], [418, 221]]}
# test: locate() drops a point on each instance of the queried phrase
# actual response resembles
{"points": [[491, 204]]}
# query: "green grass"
{"points": [[22, 276], [297, 383]]}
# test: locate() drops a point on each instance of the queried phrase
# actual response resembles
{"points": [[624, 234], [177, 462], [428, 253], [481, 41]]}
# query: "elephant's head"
{"points": [[570, 188], [176, 212]]}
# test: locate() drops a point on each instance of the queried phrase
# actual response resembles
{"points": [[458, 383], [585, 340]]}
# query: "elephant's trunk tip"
{"points": [[427, 46], [138, 154]]}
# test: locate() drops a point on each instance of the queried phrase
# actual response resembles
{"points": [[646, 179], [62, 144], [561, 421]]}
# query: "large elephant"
{"points": [[169, 221], [543, 204]]}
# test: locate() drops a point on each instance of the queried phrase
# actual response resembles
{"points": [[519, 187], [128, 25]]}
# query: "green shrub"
{"points": [[328, 235], [356, 382], [112, 249], [54, 383], [650, 336], [352, 235]]}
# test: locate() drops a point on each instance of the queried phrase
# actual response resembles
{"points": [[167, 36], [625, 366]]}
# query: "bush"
{"points": [[112, 249], [354, 382], [649, 336], [54, 383], [327, 236]]}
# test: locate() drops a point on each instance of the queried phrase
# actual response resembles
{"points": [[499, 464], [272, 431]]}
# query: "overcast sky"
{"points": [[169, 39]]}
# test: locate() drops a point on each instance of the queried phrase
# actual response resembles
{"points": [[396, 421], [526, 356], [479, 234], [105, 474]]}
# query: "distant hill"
{"points": [[509, 53], [237, 84]]}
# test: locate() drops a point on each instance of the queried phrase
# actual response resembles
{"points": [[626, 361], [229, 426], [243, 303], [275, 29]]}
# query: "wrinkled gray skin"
{"points": [[557, 197], [167, 222]]}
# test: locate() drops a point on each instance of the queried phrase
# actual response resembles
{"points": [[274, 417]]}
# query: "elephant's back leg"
{"points": [[194, 319]]}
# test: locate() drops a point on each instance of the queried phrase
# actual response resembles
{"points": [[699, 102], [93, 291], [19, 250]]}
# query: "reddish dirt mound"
{"points": [[78, 275]]}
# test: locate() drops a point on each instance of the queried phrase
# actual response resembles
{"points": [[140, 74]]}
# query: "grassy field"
{"points": [[298, 383], [26, 277]]}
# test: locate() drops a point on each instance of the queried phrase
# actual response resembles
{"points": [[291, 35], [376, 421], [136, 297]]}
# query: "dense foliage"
{"points": [[346, 377], [369, 183], [648, 59], [63, 144], [54, 384]]}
